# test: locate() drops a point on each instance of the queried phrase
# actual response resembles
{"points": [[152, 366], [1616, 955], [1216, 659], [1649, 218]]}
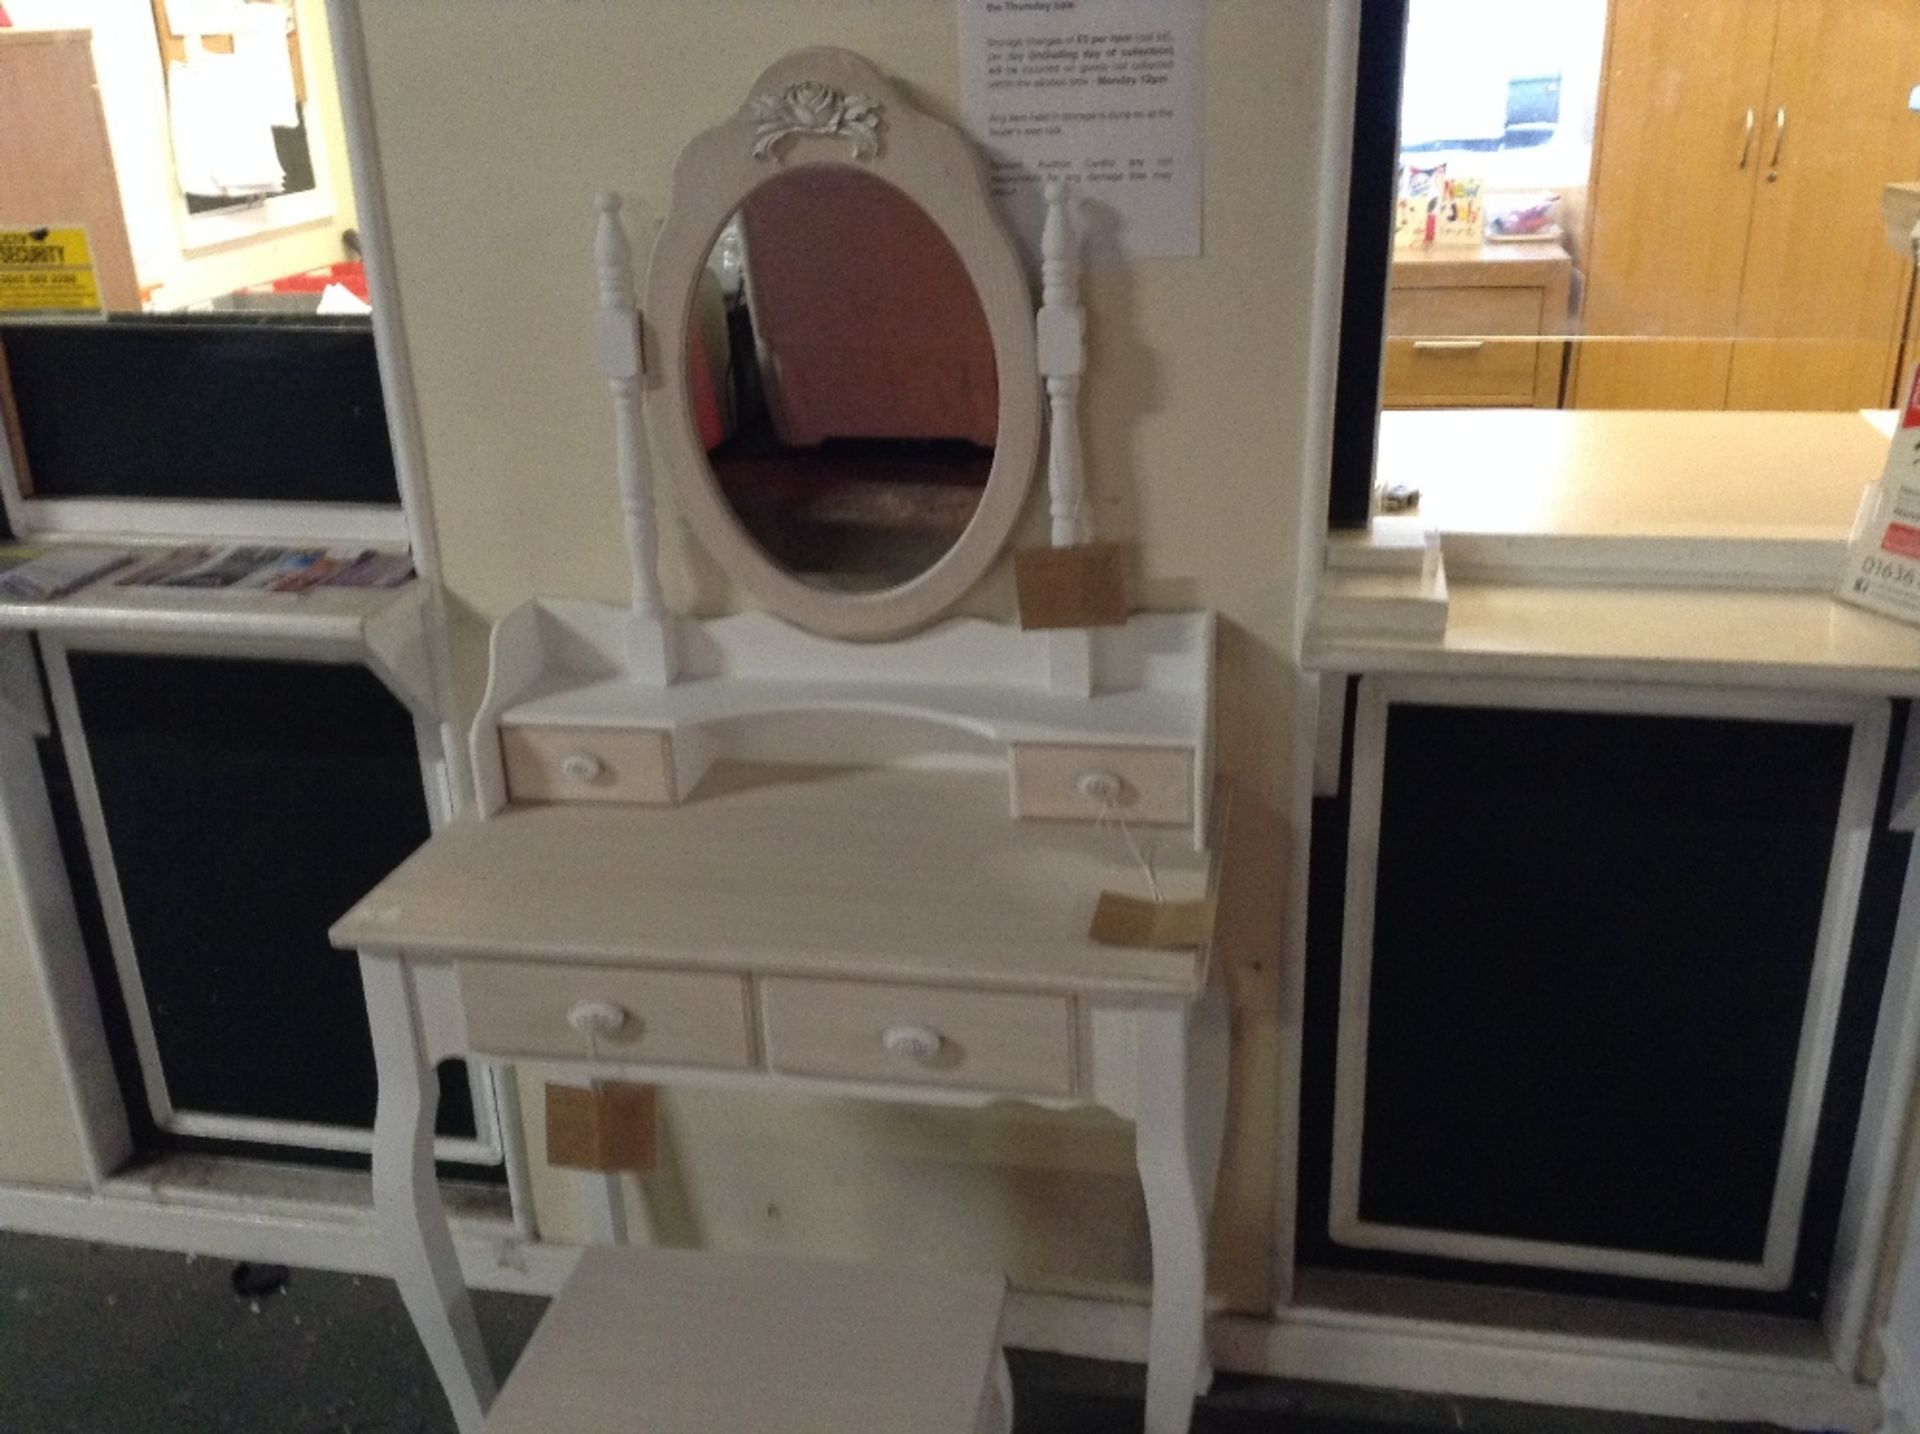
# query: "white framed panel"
{"points": [[1867, 718], [484, 1149], [203, 520]]}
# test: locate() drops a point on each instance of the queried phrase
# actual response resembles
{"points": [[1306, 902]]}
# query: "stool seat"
{"points": [[652, 1341]]}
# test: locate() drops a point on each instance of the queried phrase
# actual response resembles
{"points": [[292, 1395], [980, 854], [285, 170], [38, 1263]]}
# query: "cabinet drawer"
{"points": [[916, 1035], [668, 1017], [1156, 783], [1444, 345], [587, 764]]}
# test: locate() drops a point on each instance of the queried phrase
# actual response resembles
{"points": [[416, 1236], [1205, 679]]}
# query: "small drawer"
{"points": [[1456, 346], [918, 1035], [674, 1018], [1155, 783], [587, 764]]}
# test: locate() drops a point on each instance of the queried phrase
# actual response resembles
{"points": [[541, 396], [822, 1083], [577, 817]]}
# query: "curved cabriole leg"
{"points": [[406, 1197], [1180, 1122]]}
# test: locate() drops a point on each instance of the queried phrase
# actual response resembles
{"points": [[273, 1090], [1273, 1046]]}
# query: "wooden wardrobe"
{"points": [[1733, 225]]}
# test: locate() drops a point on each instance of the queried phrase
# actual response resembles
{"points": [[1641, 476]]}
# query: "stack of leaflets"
{"points": [[39, 574], [269, 569]]}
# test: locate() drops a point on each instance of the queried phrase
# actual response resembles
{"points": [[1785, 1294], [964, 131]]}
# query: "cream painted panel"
{"points": [[39, 1138], [495, 133]]}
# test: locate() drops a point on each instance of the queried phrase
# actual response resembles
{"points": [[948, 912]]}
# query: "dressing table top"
{"points": [[882, 874]]}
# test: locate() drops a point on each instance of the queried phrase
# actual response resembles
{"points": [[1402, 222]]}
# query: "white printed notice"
{"points": [[1105, 94], [1883, 559]]}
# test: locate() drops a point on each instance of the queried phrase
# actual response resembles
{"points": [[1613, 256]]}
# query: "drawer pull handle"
{"points": [[596, 1018], [1448, 346], [919, 1044], [583, 766]]}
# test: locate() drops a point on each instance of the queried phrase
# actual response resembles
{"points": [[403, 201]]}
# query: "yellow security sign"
{"points": [[47, 271]]}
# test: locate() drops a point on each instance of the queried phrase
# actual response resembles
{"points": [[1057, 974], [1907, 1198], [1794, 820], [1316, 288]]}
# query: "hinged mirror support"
{"points": [[651, 645]]}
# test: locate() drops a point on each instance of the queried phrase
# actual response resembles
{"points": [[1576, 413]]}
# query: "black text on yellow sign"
{"points": [[47, 271]]}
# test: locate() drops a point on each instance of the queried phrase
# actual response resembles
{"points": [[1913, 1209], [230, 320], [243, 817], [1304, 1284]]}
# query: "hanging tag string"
{"points": [[1111, 816]]}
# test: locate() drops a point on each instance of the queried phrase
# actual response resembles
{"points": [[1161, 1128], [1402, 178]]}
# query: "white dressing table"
{"points": [[843, 847], [916, 947]]}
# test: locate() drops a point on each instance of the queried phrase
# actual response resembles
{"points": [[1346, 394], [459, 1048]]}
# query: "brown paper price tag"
{"points": [[606, 1127], [1071, 587], [1153, 925]]}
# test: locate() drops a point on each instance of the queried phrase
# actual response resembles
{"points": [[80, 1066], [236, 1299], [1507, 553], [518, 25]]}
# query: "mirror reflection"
{"points": [[842, 380]]}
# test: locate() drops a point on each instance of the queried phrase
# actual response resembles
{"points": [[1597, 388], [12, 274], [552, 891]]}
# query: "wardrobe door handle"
{"points": [[1746, 139], [1448, 346], [1779, 137]]}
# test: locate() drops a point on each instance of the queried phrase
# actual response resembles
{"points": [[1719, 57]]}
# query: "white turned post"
{"points": [[651, 646], [1061, 334]]}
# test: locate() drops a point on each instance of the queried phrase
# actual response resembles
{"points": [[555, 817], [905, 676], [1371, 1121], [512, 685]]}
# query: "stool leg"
{"points": [[1180, 1114], [406, 1195]]}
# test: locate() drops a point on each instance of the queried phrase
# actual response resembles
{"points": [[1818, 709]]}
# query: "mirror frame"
{"points": [[831, 107]]}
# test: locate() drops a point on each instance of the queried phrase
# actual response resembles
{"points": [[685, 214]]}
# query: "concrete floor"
{"points": [[100, 1340]]}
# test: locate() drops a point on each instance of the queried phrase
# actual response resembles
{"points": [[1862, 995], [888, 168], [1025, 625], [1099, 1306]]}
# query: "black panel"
{"points": [[212, 406], [248, 805], [1593, 938], [1587, 1033], [1363, 310]]}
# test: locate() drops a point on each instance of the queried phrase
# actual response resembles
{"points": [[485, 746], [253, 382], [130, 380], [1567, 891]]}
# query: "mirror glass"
{"points": [[842, 380]]}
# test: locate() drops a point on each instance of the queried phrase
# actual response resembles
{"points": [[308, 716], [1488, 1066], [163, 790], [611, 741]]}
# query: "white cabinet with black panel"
{"points": [[1594, 976]]}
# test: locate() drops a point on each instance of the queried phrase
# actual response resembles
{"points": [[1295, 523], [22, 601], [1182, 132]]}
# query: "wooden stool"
{"points": [[651, 1341]]}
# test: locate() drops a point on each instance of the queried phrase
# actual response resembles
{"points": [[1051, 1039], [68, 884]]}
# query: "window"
{"points": [[1626, 205], [198, 141]]}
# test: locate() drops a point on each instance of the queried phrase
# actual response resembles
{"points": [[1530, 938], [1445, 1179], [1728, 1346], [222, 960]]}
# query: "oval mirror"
{"points": [[848, 400], [842, 379]]}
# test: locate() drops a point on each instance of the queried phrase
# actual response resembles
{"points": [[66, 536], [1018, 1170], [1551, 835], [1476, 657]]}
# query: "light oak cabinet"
{"points": [[1467, 328], [1740, 152]]}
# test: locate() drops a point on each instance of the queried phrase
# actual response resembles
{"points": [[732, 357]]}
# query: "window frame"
{"points": [[1369, 259]]}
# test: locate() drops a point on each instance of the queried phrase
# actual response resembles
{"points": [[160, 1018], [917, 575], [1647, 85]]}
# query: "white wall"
{"points": [[498, 119], [127, 65]]}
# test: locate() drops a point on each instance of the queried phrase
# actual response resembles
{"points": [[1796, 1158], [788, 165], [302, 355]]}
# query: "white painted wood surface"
{"points": [[1061, 782], [668, 1017], [593, 764], [683, 1342], [973, 983], [781, 872], [1179, 1123], [1061, 343], [623, 362], [1770, 641], [1774, 1271], [1870, 1208], [752, 687], [49, 926], [913, 1035], [936, 166], [406, 1196]]}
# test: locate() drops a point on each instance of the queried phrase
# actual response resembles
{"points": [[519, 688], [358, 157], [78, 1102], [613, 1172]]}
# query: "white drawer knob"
{"points": [[596, 1018], [920, 1044], [583, 766]]}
